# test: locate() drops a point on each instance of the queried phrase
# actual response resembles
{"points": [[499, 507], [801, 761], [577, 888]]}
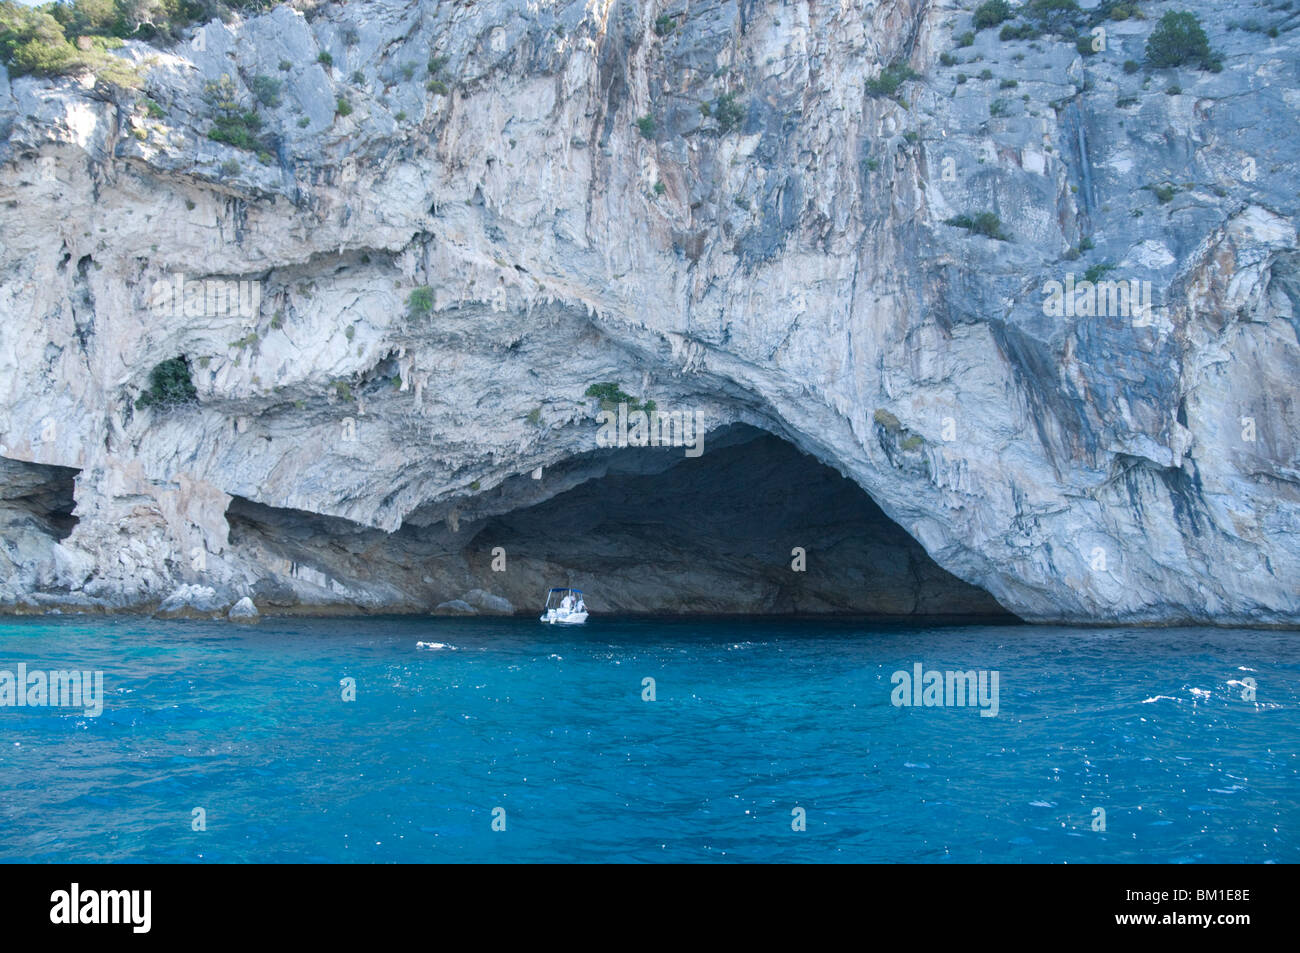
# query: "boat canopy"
{"points": [[564, 606]]}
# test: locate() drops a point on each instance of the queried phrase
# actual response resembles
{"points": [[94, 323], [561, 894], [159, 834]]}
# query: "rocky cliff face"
{"points": [[715, 207]]}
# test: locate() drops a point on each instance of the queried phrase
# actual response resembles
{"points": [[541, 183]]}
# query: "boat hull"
{"points": [[555, 617]]}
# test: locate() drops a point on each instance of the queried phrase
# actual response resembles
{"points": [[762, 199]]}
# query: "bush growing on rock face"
{"points": [[437, 83], [611, 394], [985, 223], [420, 302], [1097, 272], [991, 14], [609, 391], [169, 385], [232, 124], [267, 90], [890, 79], [1055, 16], [1179, 40], [886, 420], [32, 41], [729, 113], [646, 126], [105, 23], [1118, 10], [1025, 31]]}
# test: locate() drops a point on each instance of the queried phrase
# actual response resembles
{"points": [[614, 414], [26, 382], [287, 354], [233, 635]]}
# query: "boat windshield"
{"points": [[555, 597]]}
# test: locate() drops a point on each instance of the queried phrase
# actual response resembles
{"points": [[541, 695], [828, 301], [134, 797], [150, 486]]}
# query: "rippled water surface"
{"points": [[750, 721]]}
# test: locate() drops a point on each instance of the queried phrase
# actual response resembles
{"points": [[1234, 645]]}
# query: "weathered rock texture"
{"points": [[793, 274]]}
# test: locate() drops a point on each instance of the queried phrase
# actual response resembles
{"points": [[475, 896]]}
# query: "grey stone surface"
{"points": [[243, 611], [793, 273], [487, 602], [454, 607], [191, 601]]}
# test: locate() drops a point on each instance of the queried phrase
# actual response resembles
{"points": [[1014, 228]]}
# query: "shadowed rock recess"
{"points": [[658, 532], [466, 216]]}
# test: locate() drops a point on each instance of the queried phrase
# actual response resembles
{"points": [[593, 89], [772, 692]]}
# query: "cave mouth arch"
{"points": [[641, 531], [722, 533]]}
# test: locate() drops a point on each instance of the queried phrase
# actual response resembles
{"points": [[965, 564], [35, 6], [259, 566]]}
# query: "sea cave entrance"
{"points": [[640, 530], [751, 526]]}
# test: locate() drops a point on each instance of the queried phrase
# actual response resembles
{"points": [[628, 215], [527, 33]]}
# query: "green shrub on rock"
{"points": [[420, 302], [169, 385], [991, 14], [985, 223], [1179, 40], [33, 41]]}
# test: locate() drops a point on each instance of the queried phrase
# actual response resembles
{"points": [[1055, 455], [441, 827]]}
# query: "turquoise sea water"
{"points": [[751, 720]]}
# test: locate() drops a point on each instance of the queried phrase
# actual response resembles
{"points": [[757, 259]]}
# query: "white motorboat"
{"points": [[564, 607]]}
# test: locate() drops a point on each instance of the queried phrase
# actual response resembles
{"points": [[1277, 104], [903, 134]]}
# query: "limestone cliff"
{"points": [[468, 213]]}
